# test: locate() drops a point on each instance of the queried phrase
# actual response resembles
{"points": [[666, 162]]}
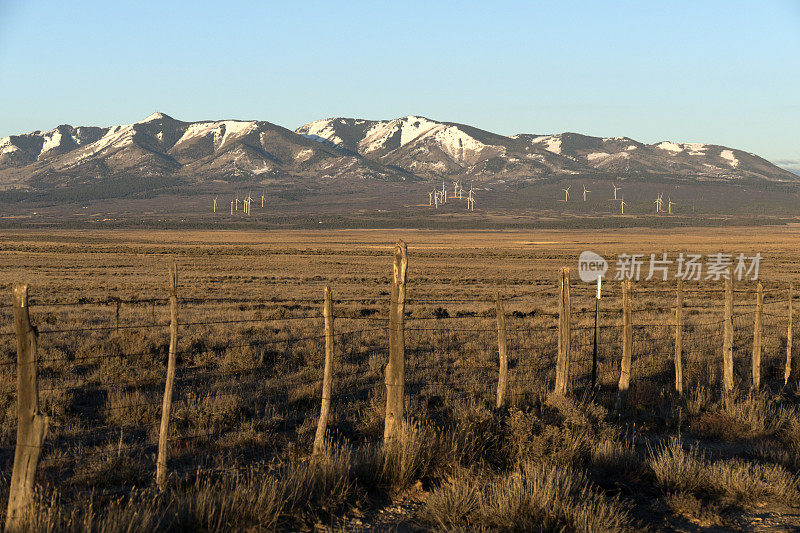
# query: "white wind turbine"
{"points": [[566, 193], [231, 207], [430, 198], [585, 192], [215, 204], [444, 194], [615, 190], [670, 203], [659, 202], [262, 198], [622, 205]]}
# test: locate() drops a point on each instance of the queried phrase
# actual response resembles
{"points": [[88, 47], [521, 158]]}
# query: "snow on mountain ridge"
{"points": [[728, 154], [6, 146], [324, 130], [553, 142], [155, 116]]}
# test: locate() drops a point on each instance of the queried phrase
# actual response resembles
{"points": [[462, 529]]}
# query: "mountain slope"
{"points": [[335, 149], [434, 149], [162, 145]]}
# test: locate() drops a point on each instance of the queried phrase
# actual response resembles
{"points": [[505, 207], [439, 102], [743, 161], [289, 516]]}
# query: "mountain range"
{"points": [[324, 151]]}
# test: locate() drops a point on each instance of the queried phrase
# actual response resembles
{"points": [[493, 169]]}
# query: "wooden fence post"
{"points": [[727, 340], [327, 378], [161, 462], [679, 339], [502, 380], [31, 424], [787, 371], [627, 348], [757, 336], [396, 368], [564, 334]]}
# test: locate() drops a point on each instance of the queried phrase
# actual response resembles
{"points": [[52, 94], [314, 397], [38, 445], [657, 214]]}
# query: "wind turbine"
{"points": [[670, 203], [659, 201], [622, 205], [615, 190], [215, 204], [585, 191], [566, 193], [231, 207], [470, 203], [262, 198], [430, 198]]}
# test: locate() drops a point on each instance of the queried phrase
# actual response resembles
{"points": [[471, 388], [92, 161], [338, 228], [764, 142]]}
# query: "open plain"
{"points": [[251, 345]]}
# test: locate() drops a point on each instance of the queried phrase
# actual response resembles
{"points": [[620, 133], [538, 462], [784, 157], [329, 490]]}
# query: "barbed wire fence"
{"points": [[249, 372]]}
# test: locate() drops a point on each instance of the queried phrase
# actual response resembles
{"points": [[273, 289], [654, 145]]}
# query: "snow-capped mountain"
{"points": [[405, 148], [160, 145], [434, 149]]}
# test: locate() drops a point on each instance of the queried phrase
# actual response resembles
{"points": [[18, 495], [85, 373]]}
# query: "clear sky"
{"points": [[721, 72]]}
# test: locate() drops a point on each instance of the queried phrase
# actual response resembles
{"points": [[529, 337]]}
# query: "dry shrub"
{"points": [[760, 414], [687, 506], [678, 469], [294, 496], [410, 456], [208, 412], [475, 436], [533, 497], [131, 408], [747, 417], [698, 399], [614, 456]]}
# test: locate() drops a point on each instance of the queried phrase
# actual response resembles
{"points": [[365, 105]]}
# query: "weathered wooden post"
{"points": [[161, 462], [627, 348], [757, 337], [787, 371], [327, 377], [564, 334], [396, 368], [502, 379], [679, 339], [31, 424], [727, 340]]}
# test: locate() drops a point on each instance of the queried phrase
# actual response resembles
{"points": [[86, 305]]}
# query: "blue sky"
{"points": [[719, 72]]}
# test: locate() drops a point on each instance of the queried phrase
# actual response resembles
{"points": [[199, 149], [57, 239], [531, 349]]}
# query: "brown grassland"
{"points": [[248, 385]]}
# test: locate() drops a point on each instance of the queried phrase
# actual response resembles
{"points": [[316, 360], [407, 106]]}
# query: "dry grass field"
{"points": [[248, 384]]}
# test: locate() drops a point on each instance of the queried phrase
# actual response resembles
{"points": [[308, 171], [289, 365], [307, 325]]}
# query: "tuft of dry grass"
{"points": [[293, 496], [678, 469], [533, 497]]}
